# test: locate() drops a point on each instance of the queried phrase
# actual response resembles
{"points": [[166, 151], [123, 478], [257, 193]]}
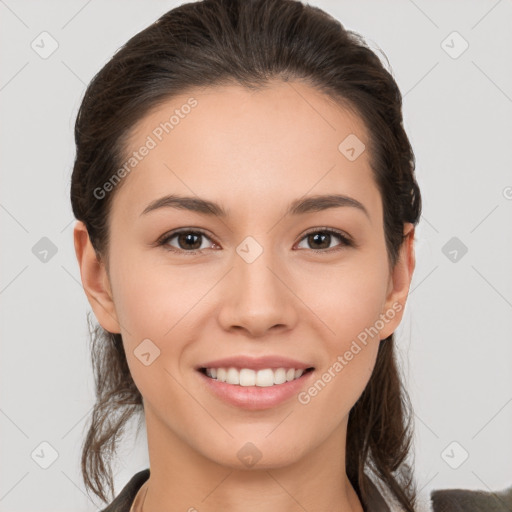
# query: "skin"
{"points": [[252, 152]]}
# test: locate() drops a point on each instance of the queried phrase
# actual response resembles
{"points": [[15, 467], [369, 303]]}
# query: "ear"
{"points": [[399, 283], [95, 280]]}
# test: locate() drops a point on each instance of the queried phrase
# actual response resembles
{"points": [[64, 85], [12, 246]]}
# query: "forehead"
{"points": [[262, 146]]}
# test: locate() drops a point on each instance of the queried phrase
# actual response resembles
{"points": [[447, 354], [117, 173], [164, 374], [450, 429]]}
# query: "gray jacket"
{"points": [[443, 500]]}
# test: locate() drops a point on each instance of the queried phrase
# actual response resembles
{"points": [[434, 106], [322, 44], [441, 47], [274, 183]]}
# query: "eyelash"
{"points": [[346, 241]]}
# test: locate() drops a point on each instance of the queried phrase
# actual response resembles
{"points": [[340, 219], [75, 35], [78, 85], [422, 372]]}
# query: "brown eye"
{"points": [[188, 241], [321, 239]]}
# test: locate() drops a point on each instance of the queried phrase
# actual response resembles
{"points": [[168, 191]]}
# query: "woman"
{"points": [[246, 205]]}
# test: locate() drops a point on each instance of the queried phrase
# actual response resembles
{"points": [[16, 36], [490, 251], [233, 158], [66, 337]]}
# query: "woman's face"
{"points": [[255, 285]]}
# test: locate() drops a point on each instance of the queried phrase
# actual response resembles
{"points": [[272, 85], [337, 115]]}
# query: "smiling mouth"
{"points": [[247, 377]]}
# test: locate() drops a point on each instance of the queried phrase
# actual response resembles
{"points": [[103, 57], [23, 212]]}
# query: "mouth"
{"points": [[255, 389], [247, 377]]}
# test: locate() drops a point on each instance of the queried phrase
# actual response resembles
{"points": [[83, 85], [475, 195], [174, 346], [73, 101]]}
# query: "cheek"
{"points": [[152, 305], [349, 299], [350, 305], [159, 303], [349, 302], [151, 298]]}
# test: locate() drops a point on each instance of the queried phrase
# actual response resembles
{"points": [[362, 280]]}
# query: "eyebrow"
{"points": [[299, 206]]}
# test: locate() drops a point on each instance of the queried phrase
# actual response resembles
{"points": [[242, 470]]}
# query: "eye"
{"points": [[189, 241], [322, 237]]}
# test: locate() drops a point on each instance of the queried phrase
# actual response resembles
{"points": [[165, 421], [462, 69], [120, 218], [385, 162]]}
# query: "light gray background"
{"points": [[455, 338]]}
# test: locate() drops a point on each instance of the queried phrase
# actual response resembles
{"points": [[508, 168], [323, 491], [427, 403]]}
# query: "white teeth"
{"points": [[247, 377], [233, 376]]}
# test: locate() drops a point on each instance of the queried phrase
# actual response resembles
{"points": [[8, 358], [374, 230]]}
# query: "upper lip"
{"points": [[256, 363]]}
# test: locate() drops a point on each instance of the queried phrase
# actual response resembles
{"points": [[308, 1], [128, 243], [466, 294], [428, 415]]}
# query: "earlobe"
{"points": [[95, 280], [399, 284]]}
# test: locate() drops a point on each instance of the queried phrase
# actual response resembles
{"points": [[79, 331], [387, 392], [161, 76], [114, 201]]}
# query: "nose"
{"points": [[256, 297]]}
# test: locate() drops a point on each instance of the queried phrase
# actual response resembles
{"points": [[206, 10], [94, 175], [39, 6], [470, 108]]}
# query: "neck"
{"points": [[182, 478]]}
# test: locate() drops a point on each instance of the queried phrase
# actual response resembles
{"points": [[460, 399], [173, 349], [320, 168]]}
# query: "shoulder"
{"points": [[124, 499], [465, 500]]}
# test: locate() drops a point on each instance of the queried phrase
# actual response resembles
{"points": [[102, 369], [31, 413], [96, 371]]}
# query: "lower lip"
{"points": [[256, 397]]}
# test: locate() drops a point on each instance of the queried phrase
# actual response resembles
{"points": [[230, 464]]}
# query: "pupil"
{"points": [[188, 238], [323, 235]]}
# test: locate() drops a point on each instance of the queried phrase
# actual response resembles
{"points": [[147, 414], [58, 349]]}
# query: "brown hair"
{"points": [[247, 42]]}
